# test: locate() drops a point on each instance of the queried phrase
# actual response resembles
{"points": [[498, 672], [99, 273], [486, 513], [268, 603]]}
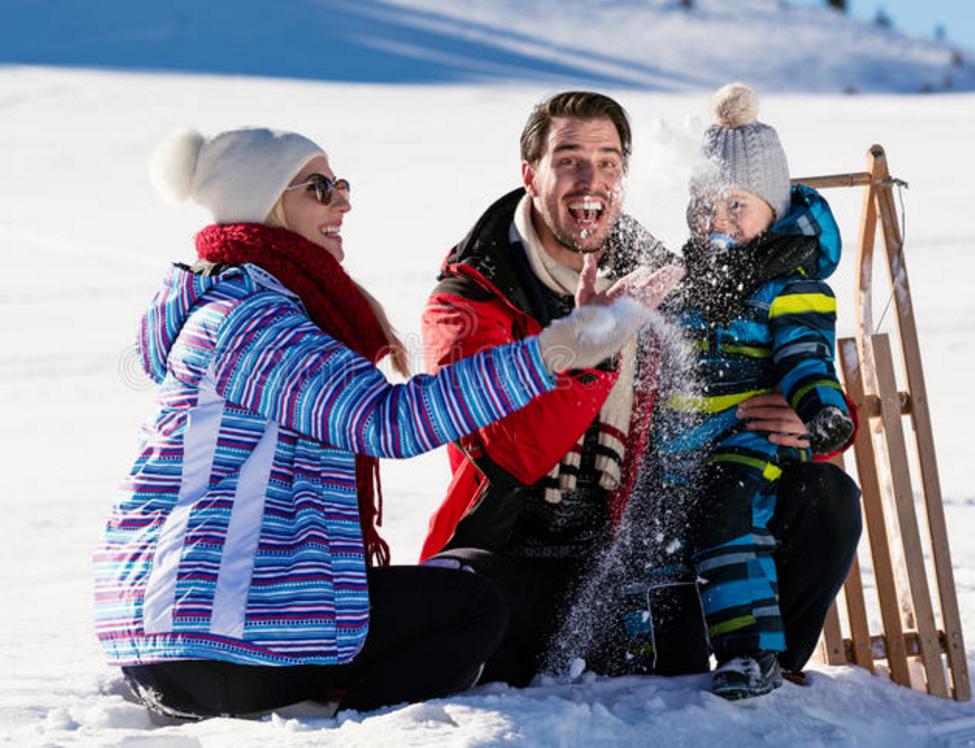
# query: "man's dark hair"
{"points": [[579, 105]]}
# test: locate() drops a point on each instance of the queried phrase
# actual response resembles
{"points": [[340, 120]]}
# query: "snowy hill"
{"points": [[643, 44]]}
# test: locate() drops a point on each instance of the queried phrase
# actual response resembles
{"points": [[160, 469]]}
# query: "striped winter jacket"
{"points": [[784, 336], [236, 535]]}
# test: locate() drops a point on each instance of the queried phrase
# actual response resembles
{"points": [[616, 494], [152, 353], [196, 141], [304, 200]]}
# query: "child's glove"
{"points": [[829, 430], [590, 334]]}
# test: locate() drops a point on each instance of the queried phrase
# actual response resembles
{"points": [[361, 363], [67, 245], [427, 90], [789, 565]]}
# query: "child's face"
{"points": [[740, 214]]}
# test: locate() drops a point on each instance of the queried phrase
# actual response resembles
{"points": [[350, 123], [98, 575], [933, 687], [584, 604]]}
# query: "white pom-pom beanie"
{"points": [[743, 152], [237, 175]]}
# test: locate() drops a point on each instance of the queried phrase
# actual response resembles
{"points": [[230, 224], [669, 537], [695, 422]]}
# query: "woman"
{"points": [[231, 578]]}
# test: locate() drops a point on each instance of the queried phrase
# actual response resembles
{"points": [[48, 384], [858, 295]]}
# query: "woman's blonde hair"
{"points": [[397, 351]]}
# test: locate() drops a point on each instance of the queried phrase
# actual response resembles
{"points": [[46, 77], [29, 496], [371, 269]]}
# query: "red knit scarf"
{"points": [[335, 304]]}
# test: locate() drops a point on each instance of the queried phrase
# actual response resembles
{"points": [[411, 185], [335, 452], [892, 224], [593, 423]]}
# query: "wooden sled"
{"points": [[917, 650]]}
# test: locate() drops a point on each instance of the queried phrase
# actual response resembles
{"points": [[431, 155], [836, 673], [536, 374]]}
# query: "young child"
{"points": [[760, 317]]}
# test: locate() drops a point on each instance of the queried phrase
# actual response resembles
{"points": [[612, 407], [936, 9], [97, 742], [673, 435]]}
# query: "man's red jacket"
{"points": [[484, 299]]}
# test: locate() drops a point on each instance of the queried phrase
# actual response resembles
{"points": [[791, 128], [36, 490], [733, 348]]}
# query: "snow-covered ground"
{"points": [[85, 242]]}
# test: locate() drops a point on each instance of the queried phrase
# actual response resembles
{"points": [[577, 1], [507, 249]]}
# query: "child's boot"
{"points": [[747, 675]]}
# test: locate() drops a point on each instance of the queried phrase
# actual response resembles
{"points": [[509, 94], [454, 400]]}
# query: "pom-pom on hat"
{"points": [[743, 152], [237, 175]]}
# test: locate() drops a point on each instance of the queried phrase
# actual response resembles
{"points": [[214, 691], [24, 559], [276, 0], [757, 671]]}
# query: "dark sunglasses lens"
{"points": [[323, 190], [323, 187]]}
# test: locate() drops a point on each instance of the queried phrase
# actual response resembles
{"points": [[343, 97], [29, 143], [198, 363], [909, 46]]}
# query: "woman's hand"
{"points": [[771, 412], [647, 287]]}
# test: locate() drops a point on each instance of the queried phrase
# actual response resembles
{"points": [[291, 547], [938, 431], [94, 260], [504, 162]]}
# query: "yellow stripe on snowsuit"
{"points": [[747, 350], [769, 471], [731, 625], [716, 404], [802, 303], [801, 392], [744, 350]]}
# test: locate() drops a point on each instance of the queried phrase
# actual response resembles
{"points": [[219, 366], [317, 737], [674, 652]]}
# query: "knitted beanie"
{"points": [[237, 175], [743, 152]]}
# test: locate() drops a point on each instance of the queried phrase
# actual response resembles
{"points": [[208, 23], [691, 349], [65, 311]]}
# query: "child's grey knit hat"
{"points": [[743, 152]]}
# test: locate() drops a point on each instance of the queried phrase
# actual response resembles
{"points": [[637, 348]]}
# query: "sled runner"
{"points": [[921, 638]]}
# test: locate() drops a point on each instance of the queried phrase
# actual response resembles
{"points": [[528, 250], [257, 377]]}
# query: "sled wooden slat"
{"points": [[835, 650], [878, 646], [876, 522], [910, 534], [837, 180], [872, 405], [856, 607], [921, 421], [863, 302], [859, 647], [910, 640], [832, 644]]}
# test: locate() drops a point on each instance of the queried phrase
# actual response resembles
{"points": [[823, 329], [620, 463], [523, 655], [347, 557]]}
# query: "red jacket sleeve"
{"points": [[526, 444]]}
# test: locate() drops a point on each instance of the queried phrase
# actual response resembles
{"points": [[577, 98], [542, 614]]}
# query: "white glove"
{"points": [[590, 334]]}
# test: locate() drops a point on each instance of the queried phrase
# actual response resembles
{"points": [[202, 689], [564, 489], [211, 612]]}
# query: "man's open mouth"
{"points": [[587, 210]]}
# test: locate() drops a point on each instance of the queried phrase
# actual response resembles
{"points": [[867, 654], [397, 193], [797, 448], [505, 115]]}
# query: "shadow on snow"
{"points": [[367, 41]]}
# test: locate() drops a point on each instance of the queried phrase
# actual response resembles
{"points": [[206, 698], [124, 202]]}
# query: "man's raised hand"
{"points": [[646, 286]]}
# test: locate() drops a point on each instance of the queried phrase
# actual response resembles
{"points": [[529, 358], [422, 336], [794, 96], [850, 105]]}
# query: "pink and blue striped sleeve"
{"points": [[271, 359]]}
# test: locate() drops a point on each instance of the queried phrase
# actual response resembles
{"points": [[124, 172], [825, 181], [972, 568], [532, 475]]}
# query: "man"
{"points": [[535, 497]]}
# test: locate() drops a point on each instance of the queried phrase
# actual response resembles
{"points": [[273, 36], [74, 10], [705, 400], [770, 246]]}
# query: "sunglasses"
{"points": [[322, 186]]}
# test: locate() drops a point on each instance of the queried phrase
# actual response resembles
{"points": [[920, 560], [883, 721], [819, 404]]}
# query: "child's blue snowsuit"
{"points": [[783, 335]]}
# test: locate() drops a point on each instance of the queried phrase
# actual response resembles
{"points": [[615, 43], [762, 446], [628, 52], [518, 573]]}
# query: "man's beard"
{"points": [[571, 243]]}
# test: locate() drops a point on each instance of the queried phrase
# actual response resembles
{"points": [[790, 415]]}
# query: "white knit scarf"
{"points": [[614, 416]]}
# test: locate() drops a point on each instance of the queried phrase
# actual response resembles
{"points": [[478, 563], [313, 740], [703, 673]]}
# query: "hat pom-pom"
{"points": [[735, 105], [172, 164]]}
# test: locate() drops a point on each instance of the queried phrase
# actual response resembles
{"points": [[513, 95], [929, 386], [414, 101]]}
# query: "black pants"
{"points": [[817, 524], [429, 631]]}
